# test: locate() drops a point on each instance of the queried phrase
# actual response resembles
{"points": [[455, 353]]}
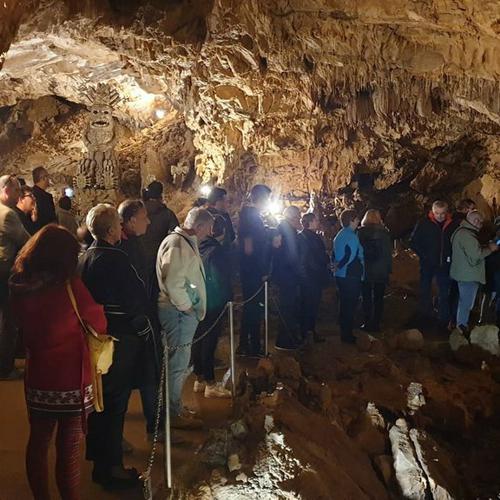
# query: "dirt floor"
{"points": [[322, 424]]}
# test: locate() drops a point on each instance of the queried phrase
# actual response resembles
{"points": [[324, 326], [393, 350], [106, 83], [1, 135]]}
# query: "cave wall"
{"points": [[306, 96]]}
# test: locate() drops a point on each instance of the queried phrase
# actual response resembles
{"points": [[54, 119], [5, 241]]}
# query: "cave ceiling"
{"points": [[304, 95]]}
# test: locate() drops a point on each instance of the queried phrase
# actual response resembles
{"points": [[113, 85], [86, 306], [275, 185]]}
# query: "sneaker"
{"points": [[14, 374], [216, 391], [199, 386], [290, 348], [186, 423]]}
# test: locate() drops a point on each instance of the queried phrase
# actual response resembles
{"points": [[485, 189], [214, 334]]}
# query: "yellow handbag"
{"points": [[101, 350]]}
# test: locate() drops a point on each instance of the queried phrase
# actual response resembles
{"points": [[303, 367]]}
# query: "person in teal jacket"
{"points": [[468, 264], [348, 264]]}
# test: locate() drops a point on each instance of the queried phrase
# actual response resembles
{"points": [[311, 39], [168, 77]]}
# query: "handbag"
{"points": [[101, 348]]}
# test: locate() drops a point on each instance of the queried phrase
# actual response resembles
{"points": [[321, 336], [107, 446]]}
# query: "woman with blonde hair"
{"points": [[377, 247]]}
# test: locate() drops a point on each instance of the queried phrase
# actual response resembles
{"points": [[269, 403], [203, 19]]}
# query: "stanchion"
{"points": [[266, 319], [168, 437], [231, 340]]}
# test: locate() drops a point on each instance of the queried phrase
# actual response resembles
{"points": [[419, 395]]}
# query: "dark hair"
{"points": [[216, 194], [153, 191], [65, 203], [259, 191], [200, 202], [465, 204], [129, 209], [50, 255], [25, 190], [38, 174], [307, 219], [22, 182], [347, 216], [219, 227]]}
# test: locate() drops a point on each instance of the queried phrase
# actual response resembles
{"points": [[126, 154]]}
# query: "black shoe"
{"points": [[288, 347], [110, 483], [241, 351]]}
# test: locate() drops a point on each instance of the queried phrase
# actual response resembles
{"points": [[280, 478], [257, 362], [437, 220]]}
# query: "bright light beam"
{"points": [[205, 190]]}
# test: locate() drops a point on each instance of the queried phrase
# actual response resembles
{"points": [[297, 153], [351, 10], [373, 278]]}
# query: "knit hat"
{"points": [[153, 191]]}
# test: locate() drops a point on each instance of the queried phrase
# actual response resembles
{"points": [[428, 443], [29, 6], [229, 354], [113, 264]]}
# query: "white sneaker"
{"points": [[216, 391], [199, 386]]}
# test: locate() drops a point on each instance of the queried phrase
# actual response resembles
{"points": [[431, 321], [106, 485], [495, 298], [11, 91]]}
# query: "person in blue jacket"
{"points": [[348, 265]]}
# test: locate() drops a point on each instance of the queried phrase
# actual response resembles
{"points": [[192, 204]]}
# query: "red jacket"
{"points": [[57, 354]]}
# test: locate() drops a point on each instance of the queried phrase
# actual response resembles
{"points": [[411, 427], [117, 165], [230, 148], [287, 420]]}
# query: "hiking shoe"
{"points": [[289, 348], [199, 386], [217, 391]]}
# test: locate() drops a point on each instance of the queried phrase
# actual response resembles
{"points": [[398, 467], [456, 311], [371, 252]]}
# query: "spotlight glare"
{"points": [[275, 207], [160, 113], [205, 190]]}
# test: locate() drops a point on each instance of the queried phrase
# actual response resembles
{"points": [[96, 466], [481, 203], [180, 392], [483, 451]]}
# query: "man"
{"points": [[431, 242], [182, 302], [217, 205], [26, 209], [44, 202], [289, 274], [65, 217], [314, 263], [254, 257], [114, 283], [12, 237], [463, 207]]}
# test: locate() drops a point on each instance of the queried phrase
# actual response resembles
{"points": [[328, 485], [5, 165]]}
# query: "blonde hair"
{"points": [[372, 216], [101, 219]]}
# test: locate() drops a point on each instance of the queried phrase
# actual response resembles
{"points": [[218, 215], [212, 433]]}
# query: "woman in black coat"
{"points": [[377, 246]]}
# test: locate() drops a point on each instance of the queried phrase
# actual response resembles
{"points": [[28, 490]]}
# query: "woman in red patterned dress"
{"points": [[57, 379]]}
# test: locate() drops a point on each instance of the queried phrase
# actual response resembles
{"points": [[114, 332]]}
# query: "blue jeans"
{"points": [[443, 282], [177, 328], [467, 291]]}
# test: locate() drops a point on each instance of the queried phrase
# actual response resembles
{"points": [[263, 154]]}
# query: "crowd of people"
{"points": [[134, 272]]}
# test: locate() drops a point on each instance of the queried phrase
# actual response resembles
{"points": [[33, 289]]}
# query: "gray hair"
{"points": [[100, 220], [8, 180], [474, 214], [197, 217]]}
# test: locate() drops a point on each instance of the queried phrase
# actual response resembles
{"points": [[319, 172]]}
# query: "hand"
{"points": [[492, 246]]}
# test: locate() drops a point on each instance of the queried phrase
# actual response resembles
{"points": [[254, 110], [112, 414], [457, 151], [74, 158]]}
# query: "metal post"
{"points": [[266, 319], [168, 439], [231, 338]]}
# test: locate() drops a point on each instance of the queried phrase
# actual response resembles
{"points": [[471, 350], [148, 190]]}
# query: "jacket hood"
{"points": [[465, 223], [19, 286]]}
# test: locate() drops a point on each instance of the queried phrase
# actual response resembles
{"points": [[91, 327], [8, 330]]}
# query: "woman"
{"points": [[58, 378], [377, 248], [348, 268], [468, 264]]}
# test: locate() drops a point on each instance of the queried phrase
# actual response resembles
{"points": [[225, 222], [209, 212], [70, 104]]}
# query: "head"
{"points": [[218, 198], [292, 216], [200, 203], [440, 210], [475, 218], [466, 205], [259, 195], [65, 203], [51, 254], [310, 221], [349, 218], [134, 216], [41, 177], [27, 200], [371, 217], [199, 222], [103, 222], [154, 191], [10, 190], [219, 228]]}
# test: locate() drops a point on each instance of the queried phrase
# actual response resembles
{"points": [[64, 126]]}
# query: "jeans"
{"points": [[204, 351], [310, 299], [178, 328], [443, 281], [373, 303], [349, 292], [467, 296], [289, 302], [253, 312], [105, 429]]}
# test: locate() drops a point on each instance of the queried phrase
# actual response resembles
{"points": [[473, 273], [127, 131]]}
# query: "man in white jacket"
{"points": [[182, 301]]}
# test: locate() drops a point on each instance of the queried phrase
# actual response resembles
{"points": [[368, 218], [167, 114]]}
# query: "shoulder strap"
{"points": [[73, 303], [186, 240]]}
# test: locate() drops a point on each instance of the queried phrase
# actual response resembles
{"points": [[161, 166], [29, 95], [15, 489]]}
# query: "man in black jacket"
{"points": [[25, 208], [288, 274], [314, 263], [431, 242], [46, 211], [217, 205], [114, 283]]}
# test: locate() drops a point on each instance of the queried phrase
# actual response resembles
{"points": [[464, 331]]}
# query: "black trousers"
{"points": [[203, 352], [310, 299], [253, 312], [373, 303], [105, 429], [349, 291], [289, 312]]}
